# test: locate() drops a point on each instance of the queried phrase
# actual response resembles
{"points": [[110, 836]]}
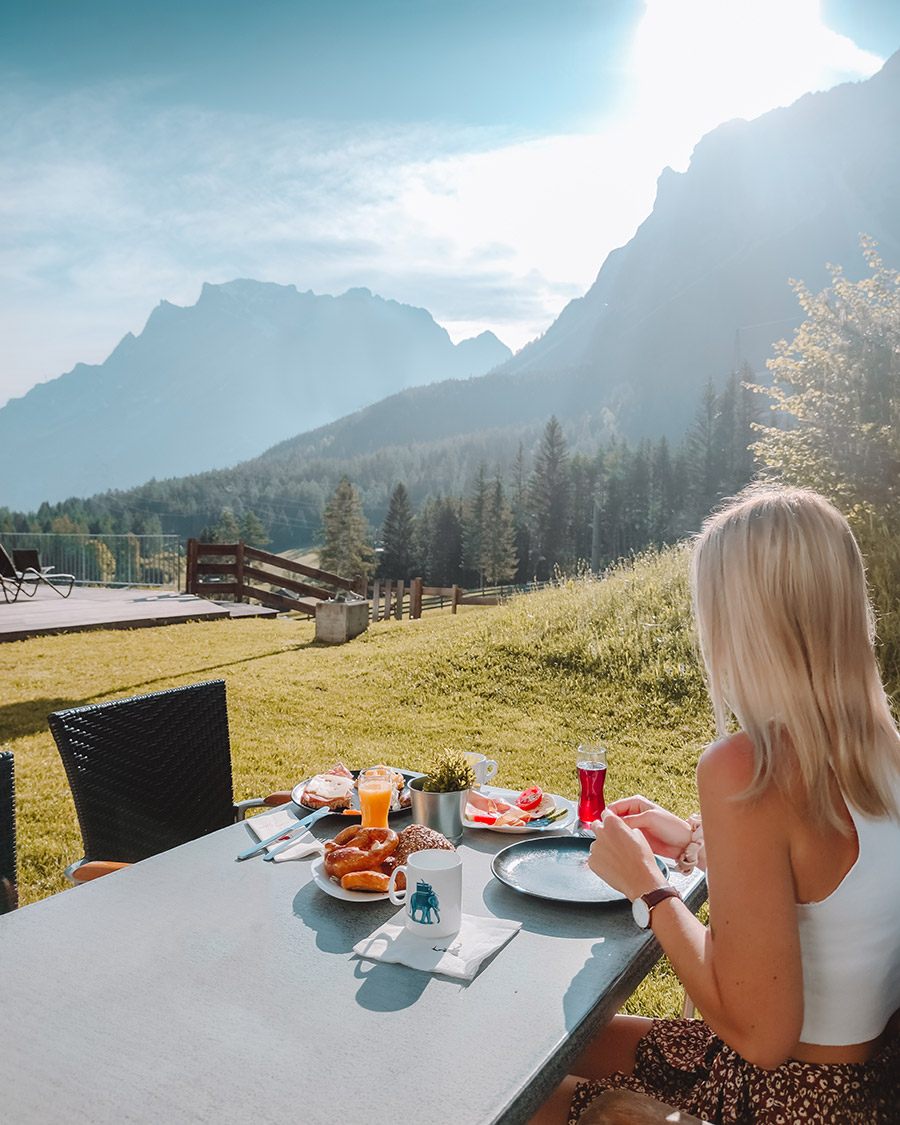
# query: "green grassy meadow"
{"points": [[524, 683]]}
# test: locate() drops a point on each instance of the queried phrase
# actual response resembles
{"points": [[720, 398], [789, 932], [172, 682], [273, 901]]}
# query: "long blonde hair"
{"points": [[786, 633]]}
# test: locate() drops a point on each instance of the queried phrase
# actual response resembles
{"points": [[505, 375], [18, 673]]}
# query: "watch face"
{"points": [[641, 913]]}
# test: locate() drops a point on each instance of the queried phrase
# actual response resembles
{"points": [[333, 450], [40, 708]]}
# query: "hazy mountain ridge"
{"points": [[703, 284], [214, 383], [701, 289]]}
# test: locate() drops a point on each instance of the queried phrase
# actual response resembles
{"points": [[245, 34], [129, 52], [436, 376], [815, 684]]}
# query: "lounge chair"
{"points": [[27, 563], [11, 581], [149, 773]]}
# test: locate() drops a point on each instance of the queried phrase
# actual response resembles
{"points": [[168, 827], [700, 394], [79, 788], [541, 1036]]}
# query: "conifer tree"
{"points": [[499, 561], [475, 528], [663, 491], [397, 537], [550, 500], [447, 544], [253, 531], [347, 549], [224, 530], [521, 521]]}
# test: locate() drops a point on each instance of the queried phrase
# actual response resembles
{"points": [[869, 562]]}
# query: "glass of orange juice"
{"points": [[375, 792]]}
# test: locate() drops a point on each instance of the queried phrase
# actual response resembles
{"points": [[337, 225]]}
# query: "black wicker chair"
{"points": [[27, 563], [9, 897], [149, 773]]}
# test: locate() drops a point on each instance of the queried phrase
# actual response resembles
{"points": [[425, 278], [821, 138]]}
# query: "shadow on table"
{"points": [[390, 988], [336, 927], [383, 987]]}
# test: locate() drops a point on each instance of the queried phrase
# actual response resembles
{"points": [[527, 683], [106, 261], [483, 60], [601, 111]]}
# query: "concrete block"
{"points": [[337, 622]]}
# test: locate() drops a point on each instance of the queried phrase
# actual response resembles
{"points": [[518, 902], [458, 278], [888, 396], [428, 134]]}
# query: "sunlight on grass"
{"points": [[588, 660]]}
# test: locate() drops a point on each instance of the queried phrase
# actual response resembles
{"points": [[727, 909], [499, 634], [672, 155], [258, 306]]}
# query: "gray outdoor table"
{"points": [[190, 988]]}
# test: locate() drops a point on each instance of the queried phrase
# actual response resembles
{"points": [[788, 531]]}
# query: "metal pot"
{"points": [[441, 811]]}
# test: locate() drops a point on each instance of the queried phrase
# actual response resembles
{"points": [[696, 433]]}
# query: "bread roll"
{"points": [[416, 838]]}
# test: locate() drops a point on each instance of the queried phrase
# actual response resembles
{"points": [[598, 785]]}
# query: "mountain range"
{"points": [[213, 384], [702, 289]]}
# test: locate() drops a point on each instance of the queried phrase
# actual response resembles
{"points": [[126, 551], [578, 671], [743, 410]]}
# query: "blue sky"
{"points": [[477, 159]]}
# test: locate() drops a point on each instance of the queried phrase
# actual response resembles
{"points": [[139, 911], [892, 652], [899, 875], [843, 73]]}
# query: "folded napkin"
{"points": [[459, 955], [267, 824]]}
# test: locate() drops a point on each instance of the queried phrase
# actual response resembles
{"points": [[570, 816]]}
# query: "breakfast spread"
{"points": [[332, 789], [400, 798], [362, 859], [496, 812], [335, 789]]}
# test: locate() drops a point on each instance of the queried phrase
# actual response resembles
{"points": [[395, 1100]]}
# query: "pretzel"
{"points": [[365, 881], [358, 849]]}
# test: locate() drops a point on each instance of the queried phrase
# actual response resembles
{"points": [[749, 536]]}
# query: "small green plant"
{"points": [[448, 773]]}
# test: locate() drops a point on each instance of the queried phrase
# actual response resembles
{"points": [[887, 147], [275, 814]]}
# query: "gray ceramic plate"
{"points": [[555, 867]]}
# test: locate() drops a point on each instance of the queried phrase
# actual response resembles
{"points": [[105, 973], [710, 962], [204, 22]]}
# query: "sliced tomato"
{"points": [[531, 798]]}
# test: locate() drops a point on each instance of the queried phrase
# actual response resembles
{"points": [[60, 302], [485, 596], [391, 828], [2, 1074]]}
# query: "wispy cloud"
{"points": [[110, 200]]}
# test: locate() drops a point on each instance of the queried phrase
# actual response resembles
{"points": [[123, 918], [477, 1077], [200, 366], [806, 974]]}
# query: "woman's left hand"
{"points": [[622, 857]]}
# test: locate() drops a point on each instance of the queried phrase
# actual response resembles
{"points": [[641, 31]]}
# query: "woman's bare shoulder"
{"points": [[727, 765]]}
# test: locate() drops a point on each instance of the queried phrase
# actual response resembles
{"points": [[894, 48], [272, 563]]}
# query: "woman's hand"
{"points": [[622, 857], [667, 834]]}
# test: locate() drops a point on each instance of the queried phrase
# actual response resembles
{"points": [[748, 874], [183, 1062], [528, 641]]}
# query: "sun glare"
{"points": [[701, 62]]}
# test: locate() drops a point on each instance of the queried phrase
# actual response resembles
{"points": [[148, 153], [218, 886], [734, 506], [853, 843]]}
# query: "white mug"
{"points": [[433, 895], [483, 768]]}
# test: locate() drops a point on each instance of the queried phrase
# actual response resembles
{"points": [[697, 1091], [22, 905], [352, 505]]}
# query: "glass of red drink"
{"points": [[591, 765]]}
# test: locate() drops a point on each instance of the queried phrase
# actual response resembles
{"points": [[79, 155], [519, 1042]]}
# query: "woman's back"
{"points": [[850, 937]]}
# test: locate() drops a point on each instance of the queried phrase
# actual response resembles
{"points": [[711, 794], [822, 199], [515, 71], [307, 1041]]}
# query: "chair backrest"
{"points": [[26, 558], [149, 772], [8, 885], [7, 570]]}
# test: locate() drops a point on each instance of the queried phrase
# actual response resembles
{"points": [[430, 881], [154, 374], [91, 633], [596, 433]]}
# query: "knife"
{"points": [[287, 843], [303, 824]]}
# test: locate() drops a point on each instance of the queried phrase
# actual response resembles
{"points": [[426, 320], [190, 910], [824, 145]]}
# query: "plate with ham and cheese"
{"points": [[336, 788], [505, 810]]}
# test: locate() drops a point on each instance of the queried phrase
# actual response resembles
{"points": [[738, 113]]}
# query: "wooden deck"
{"points": [[91, 607]]}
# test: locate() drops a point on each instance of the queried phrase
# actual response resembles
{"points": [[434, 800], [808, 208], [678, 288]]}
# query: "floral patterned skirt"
{"points": [[684, 1064]]}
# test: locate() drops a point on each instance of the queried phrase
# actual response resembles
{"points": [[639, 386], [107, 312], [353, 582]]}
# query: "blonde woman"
{"points": [[798, 976]]}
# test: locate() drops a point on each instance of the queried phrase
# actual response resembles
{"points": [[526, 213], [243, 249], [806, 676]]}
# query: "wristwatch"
{"points": [[642, 906]]}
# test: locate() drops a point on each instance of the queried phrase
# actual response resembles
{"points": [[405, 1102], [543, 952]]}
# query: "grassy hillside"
{"points": [[524, 684]]}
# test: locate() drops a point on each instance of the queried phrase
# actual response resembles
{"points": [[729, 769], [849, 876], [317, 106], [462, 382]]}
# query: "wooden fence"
{"points": [[241, 572], [390, 597]]}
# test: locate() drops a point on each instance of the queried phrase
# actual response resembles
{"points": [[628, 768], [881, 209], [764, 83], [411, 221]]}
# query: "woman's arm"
{"points": [[744, 974]]}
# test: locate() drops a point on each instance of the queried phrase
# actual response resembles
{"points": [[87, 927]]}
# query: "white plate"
{"points": [[337, 891], [513, 829], [297, 792]]}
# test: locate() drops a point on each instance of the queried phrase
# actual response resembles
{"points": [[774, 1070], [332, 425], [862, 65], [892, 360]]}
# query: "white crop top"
{"points": [[850, 943]]}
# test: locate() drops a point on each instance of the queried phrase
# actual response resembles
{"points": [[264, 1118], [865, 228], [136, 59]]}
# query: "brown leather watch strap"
{"points": [[653, 897]]}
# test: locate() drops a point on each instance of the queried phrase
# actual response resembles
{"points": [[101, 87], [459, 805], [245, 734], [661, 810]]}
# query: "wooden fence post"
{"points": [[415, 599], [398, 603], [388, 588], [455, 599], [376, 599], [239, 571], [190, 567]]}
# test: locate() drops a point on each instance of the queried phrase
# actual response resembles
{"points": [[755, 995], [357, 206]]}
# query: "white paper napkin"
{"points": [[457, 956], [267, 824]]}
